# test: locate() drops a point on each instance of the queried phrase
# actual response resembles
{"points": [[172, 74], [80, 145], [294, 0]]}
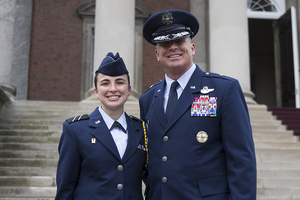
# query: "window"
{"points": [[265, 9]]}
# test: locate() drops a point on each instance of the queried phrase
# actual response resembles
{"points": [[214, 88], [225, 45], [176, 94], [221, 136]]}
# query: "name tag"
{"points": [[204, 106]]}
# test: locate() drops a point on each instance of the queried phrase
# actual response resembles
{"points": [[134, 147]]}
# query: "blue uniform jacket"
{"points": [[182, 168], [90, 167]]}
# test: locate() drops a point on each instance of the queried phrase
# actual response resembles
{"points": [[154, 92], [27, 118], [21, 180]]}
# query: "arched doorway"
{"points": [[272, 63]]}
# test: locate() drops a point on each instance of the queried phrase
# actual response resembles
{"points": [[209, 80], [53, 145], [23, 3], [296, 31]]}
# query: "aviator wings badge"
{"points": [[205, 90]]}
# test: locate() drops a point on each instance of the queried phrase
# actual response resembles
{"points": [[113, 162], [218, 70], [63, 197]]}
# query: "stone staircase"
{"points": [[277, 155], [29, 137], [289, 117], [30, 132]]}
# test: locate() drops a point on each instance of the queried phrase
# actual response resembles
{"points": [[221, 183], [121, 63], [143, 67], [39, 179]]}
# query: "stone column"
{"points": [[7, 14], [229, 44], [114, 32], [21, 47], [199, 9]]}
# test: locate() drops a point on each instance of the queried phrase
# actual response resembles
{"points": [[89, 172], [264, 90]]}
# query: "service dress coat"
{"points": [[90, 167], [200, 157]]}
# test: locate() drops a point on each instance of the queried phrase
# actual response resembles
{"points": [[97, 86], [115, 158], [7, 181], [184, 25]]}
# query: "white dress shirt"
{"points": [[182, 80], [118, 135]]}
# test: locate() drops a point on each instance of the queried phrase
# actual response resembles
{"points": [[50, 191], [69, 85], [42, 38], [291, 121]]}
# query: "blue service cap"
{"points": [[170, 25], [112, 65]]}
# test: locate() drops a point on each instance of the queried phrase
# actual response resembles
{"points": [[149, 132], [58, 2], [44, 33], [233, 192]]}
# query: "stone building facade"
{"points": [[50, 49]]}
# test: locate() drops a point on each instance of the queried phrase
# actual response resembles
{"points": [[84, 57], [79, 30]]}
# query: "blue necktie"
{"points": [[118, 125], [172, 99]]}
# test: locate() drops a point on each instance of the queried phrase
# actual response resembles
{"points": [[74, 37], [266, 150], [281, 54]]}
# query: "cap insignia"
{"points": [[167, 18]]}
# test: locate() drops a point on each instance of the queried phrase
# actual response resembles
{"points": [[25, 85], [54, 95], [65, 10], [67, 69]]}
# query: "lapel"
{"points": [[102, 133], [186, 98], [134, 137], [158, 103]]}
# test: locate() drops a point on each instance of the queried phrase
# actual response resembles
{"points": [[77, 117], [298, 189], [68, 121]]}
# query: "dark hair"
{"points": [[96, 77]]}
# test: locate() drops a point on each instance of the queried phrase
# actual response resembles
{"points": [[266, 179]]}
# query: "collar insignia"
{"points": [[205, 90], [167, 18]]}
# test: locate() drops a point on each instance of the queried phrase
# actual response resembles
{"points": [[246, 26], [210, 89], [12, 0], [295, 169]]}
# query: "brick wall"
{"points": [[56, 51], [152, 69]]}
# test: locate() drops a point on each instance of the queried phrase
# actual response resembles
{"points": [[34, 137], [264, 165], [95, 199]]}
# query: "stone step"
{"points": [[28, 146], [273, 132], [268, 127], [278, 174], [34, 111], [29, 127], [277, 145], [258, 122], [278, 193], [28, 192], [275, 165], [45, 181], [31, 122], [30, 139], [23, 126], [27, 162], [279, 155], [275, 138], [30, 154], [288, 152], [257, 116], [27, 171], [259, 112], [278, 183], [40, 117], [10, 132]]}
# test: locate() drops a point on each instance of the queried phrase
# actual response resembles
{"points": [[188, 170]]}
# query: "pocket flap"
{"points": [[213, 185]]}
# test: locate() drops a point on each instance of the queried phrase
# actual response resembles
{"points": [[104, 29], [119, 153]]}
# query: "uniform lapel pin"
{"points": [[97, 122], [93, 140]]}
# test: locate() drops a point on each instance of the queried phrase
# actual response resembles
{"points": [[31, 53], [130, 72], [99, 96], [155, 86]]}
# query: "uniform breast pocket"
{"points": [[207, 127], [199, 119]]}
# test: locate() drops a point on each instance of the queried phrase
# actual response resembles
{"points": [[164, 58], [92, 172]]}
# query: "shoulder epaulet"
{"points": [[135, 118], [155, 84], [216, 75], [77, 118]]}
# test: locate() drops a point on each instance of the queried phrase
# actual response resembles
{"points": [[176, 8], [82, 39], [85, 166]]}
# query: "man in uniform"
{"points": [[199, 133]]}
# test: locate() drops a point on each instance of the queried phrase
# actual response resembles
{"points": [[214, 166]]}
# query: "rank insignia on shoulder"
{"points": [[77, 118], [204, 106], [135, 118]]}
